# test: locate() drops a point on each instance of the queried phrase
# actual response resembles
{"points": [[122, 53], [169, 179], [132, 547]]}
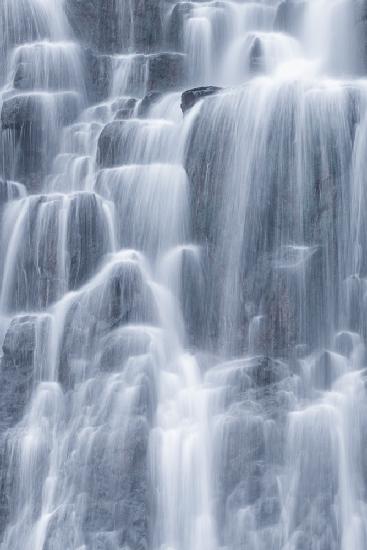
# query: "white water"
{"points": [[183, 298]]}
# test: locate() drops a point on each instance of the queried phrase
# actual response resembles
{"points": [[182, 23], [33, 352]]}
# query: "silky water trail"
{"points": [[183, 295]]}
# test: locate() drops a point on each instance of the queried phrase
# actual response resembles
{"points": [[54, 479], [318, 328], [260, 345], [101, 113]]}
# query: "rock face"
{"points": [[17, 369], [18, 376], [35, 277], [165, 72], [10, 190], [28, 123], [256, 56], [98, 76], [112, 26], [183, 267]]}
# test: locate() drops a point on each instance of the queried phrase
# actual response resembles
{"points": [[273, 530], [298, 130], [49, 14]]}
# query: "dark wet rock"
{"points": [[29, 133], [133, 73], [95, 23], [42, 66], [113, 26], [34, 279], [360, 43], [165, 72], [279, 304], [117, 485], [301, 350], [345, 342], [146, 402], [191, 294], [206, 170], [114, 487], [23, 79], [37, 277], [289, 16], [252, 436], [146, 103], [268, 512], [128, 103], [17, 369], [265, 370], [120, 298], [326, 370], [6, 484], [247, 491], [124, 108], [125, 295], [22, 109], [98, 75], [191, 97], [109, 145], [121, 344], [243, 446], [22, 22], [10, 190], [123, 114], [87, 237], [128, 142], [175, 26], [147, 24]]}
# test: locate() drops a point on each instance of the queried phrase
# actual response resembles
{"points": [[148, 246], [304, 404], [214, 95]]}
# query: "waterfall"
{"points": [[183, 275]]}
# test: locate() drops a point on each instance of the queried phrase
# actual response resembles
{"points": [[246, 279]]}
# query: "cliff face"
{"points": [[183, 275]]}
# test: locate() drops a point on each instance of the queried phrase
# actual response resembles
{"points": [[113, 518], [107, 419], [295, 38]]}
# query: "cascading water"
{"points": [[183, 277]]}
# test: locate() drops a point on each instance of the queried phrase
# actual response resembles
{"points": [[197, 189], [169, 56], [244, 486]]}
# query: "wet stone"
{"points": [[10, 190], [87, 237], [112, 26], [147, 102], [165, 72], [29, 123], [121, 344], [17, 369], [191, 97], [98, 75]]}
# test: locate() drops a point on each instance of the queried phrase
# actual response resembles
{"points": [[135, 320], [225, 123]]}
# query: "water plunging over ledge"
{"points": [[183, 277]]}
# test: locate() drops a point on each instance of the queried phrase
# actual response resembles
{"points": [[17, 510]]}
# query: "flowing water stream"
{"points": [[183, 278]]}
